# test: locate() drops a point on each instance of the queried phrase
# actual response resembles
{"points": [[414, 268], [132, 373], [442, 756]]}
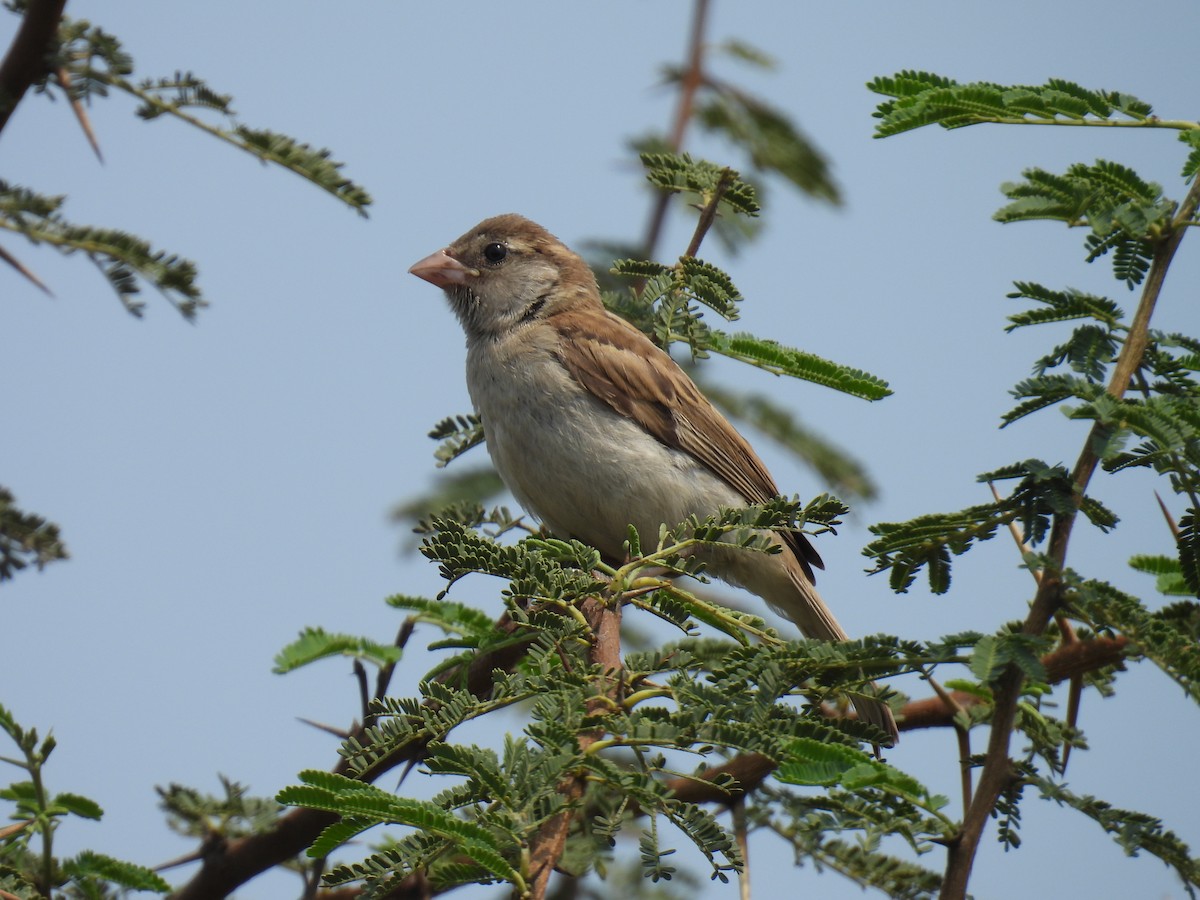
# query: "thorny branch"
{"points": [[997, 769]]}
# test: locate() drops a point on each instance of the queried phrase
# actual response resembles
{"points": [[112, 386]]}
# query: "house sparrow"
{"points": [[594, 428]]}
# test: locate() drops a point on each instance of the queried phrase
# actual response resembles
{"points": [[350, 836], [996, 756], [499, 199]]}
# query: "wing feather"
{"points": [[621, 366]]}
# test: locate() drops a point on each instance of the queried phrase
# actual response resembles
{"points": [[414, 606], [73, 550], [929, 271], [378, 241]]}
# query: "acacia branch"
{"points": [[693, 78], [546, 848], [228, 864], [749, 770], [27, 61], [997, 768]]}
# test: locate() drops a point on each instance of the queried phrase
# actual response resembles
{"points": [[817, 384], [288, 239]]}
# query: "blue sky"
{"points": [[224, 484]]}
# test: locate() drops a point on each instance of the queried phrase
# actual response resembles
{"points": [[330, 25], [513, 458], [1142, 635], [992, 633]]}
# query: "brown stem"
{"points": [[26, 60], [997, 767], [229, 864], [547, 846], [962, 734], [709, 214], [693, 77], [741, 833]]}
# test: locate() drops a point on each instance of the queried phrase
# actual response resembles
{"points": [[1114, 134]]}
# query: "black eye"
{"points": [[495, 252]]}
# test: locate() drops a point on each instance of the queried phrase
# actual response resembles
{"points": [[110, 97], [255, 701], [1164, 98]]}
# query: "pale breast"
{"points": [[569, 459]]}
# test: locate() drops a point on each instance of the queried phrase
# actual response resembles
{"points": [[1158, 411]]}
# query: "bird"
{"points": [[594, 428]]}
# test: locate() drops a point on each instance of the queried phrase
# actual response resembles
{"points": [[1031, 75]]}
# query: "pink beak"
{"points": [[442, 269]]}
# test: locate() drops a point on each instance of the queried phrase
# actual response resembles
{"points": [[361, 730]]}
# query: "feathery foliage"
{"points": [[97, 64], [920, 98], [1134, 831], [316, 643], [88, 63], [1124, 214], [675, 172], [930, 541], [25, 538], [1153, 400], [28, 866], [125, 261]]}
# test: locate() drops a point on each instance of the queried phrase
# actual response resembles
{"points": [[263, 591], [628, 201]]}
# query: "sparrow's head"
{"points": [[505, 272]]}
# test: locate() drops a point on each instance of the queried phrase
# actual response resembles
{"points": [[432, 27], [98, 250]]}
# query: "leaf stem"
{"points": [[692, 79], [709, 214], [1149, 122]]}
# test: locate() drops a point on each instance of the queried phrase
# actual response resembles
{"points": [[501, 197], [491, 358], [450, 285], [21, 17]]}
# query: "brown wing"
{"points": [[618, 364]]}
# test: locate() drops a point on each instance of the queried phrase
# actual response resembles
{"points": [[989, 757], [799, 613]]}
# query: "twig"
{"points": [[997, 769], [749, 770], [741, 833], [364, 697], [547, 846], [963, 735], [709, 213], [690, 83], [27, 58], [1065, 628]]}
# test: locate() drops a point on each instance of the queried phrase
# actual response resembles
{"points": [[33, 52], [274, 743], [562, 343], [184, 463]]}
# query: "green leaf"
{"points": [[1192, 164], [811, 762], [781, 360], [126, 261], [1062, 306], [988, 659], [922, 99], [1126, 215], [348, 797], [1133, 831], [25, 538], [316, 643], [675, 172], [709, 285], [1169, 574], [1167, 637], [994, 652], [639, 268], [773, 142], [458, 434], [344, 829], [84, 807], [115, 871], [1189, 551], [451, 617]]}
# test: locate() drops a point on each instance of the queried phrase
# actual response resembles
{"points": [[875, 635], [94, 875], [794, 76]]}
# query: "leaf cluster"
{"points": [[88, 63], [235, 813], [31, 871], [1133, 831], [921, 98], [930, 541], [124, 260], [666, 300], [1167, 637], [25, 538], [699, 697], [1125, 215]]}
